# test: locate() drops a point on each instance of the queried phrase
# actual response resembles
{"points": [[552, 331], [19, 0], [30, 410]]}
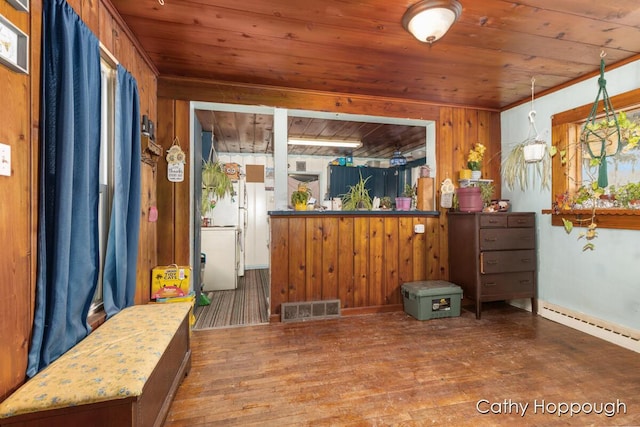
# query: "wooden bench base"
{"points": [[148, 409]]}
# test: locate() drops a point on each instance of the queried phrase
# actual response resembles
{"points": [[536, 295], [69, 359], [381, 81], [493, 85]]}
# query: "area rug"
{"points": [[246, 305]]}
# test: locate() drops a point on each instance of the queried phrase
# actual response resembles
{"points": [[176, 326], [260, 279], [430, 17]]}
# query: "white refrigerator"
{"points": [[222, 251], [231, 211]]}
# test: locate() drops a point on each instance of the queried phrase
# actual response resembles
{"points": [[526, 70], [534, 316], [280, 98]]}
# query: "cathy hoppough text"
{"points": [[543, 407]]}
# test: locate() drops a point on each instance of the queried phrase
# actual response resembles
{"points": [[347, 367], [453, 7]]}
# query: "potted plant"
{"points": [[300, 198], [628, 195], [216, 184], [486, 192], [474, 160], [404, 202], [386, 203], [518, 170], [357, 198]]}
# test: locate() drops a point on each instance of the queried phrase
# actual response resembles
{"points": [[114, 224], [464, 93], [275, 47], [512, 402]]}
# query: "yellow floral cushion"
{"points": [[113, 362]]}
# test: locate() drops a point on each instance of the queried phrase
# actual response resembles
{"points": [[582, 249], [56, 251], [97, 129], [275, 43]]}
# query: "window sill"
{"points": [[96, 319], [624, 219]]}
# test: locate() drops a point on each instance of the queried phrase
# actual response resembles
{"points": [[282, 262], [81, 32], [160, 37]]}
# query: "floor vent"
{"points": [[310, 310], [616, 334]]}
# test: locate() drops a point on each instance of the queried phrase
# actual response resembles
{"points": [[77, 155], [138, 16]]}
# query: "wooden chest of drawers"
{"points": [[492, 256]]}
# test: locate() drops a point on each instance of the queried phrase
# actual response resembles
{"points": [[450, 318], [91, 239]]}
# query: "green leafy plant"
{"points": [[386, 203], [486, 192], [357, 197], [216, 184], [586, 195], [628, 194], [517, 172], [300, 196], [409, 191]]}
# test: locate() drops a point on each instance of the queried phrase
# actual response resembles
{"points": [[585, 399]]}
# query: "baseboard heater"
{"points": [[309, 310], [616, 334]]}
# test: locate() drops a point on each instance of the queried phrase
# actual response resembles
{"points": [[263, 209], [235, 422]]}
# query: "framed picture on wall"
{"points": [[14, 46], [22, 5]]}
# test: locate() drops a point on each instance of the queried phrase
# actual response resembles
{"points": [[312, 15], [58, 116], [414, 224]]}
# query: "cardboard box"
{"points": [[170, 281], [431, 299]]}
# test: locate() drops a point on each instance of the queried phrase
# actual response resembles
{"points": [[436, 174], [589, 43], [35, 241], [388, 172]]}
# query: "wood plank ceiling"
{"points": [[486, 60]]}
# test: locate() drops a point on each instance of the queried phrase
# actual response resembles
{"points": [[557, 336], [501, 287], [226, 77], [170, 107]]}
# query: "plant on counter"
{"points": [[300, 198], [357, 198], [386, 203]]}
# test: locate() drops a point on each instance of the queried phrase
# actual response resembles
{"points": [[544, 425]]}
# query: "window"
{"points": [[576, 170], [108, 79]]}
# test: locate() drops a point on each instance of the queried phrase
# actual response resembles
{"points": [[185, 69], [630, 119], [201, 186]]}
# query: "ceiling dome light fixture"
{"points": [[429, 20]]}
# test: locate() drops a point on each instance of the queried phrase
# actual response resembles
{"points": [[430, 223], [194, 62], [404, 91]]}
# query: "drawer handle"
{"points": [[525, 281], [492, 262], [521, 221], [525, 260], [490, 239], [491, 284], [493, 221]]}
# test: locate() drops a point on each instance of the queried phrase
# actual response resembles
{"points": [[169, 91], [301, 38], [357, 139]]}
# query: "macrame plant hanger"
{"points": [[601, 137], [535, 147]]}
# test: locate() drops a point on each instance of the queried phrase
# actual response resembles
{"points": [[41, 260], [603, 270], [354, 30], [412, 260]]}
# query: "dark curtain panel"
{"points": [[119, 280], [68, 254]]}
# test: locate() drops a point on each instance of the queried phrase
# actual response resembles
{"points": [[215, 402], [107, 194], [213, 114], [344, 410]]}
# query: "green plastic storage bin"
{"points": [[431, 299]]}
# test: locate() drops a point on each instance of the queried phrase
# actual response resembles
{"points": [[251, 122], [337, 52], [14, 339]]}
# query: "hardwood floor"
{"points": [[389, 369]]}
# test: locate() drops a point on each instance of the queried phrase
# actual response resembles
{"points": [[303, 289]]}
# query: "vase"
{"points": [[465, 174], [476, 174], [403, 203], [469, 199]]}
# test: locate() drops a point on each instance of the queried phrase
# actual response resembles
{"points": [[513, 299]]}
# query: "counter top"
{"points": [[354, 213]]}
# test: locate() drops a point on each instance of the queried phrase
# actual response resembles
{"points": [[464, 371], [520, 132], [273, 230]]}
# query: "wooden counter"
{"points": [[361, 258]]}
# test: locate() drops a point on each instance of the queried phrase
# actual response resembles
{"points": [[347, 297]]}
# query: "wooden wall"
{"points": [[363, 260], [457, 130], [19, 128]]}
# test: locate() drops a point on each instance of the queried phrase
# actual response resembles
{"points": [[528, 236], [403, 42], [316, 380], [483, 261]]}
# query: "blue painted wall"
{"points": [[604, 283]]}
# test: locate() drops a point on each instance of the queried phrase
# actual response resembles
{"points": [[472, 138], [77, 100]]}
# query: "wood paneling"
{"points": [[215, 91], [173, 197], [18, 130], [456, 131], [371, 255], [486, 60]]}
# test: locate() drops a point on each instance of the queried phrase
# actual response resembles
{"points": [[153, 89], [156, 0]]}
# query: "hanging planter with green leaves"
{"points": [[216, 184], [600, 135]]}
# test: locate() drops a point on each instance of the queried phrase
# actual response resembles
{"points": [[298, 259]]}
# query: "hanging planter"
{"points": [[528, 159], [600, 135], [534, 151]]}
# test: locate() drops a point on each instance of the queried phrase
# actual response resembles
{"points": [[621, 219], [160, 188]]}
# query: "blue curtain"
{"points": [[68, 253], [119, 279]]}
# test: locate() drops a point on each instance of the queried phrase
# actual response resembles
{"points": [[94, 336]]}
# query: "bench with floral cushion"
{"points": [[125, 373]]}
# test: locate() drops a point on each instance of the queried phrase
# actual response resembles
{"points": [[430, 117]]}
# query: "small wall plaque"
{"points": [[14, 46]]}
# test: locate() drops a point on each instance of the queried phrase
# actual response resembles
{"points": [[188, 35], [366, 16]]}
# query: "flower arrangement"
{"points": [[474, 160]]}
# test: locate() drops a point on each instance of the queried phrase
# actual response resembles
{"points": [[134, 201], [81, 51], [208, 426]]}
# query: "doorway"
{"points": [[252, 135]]}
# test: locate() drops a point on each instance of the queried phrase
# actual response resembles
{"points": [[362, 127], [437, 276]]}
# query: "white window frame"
{"points": [[106, 179]]}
